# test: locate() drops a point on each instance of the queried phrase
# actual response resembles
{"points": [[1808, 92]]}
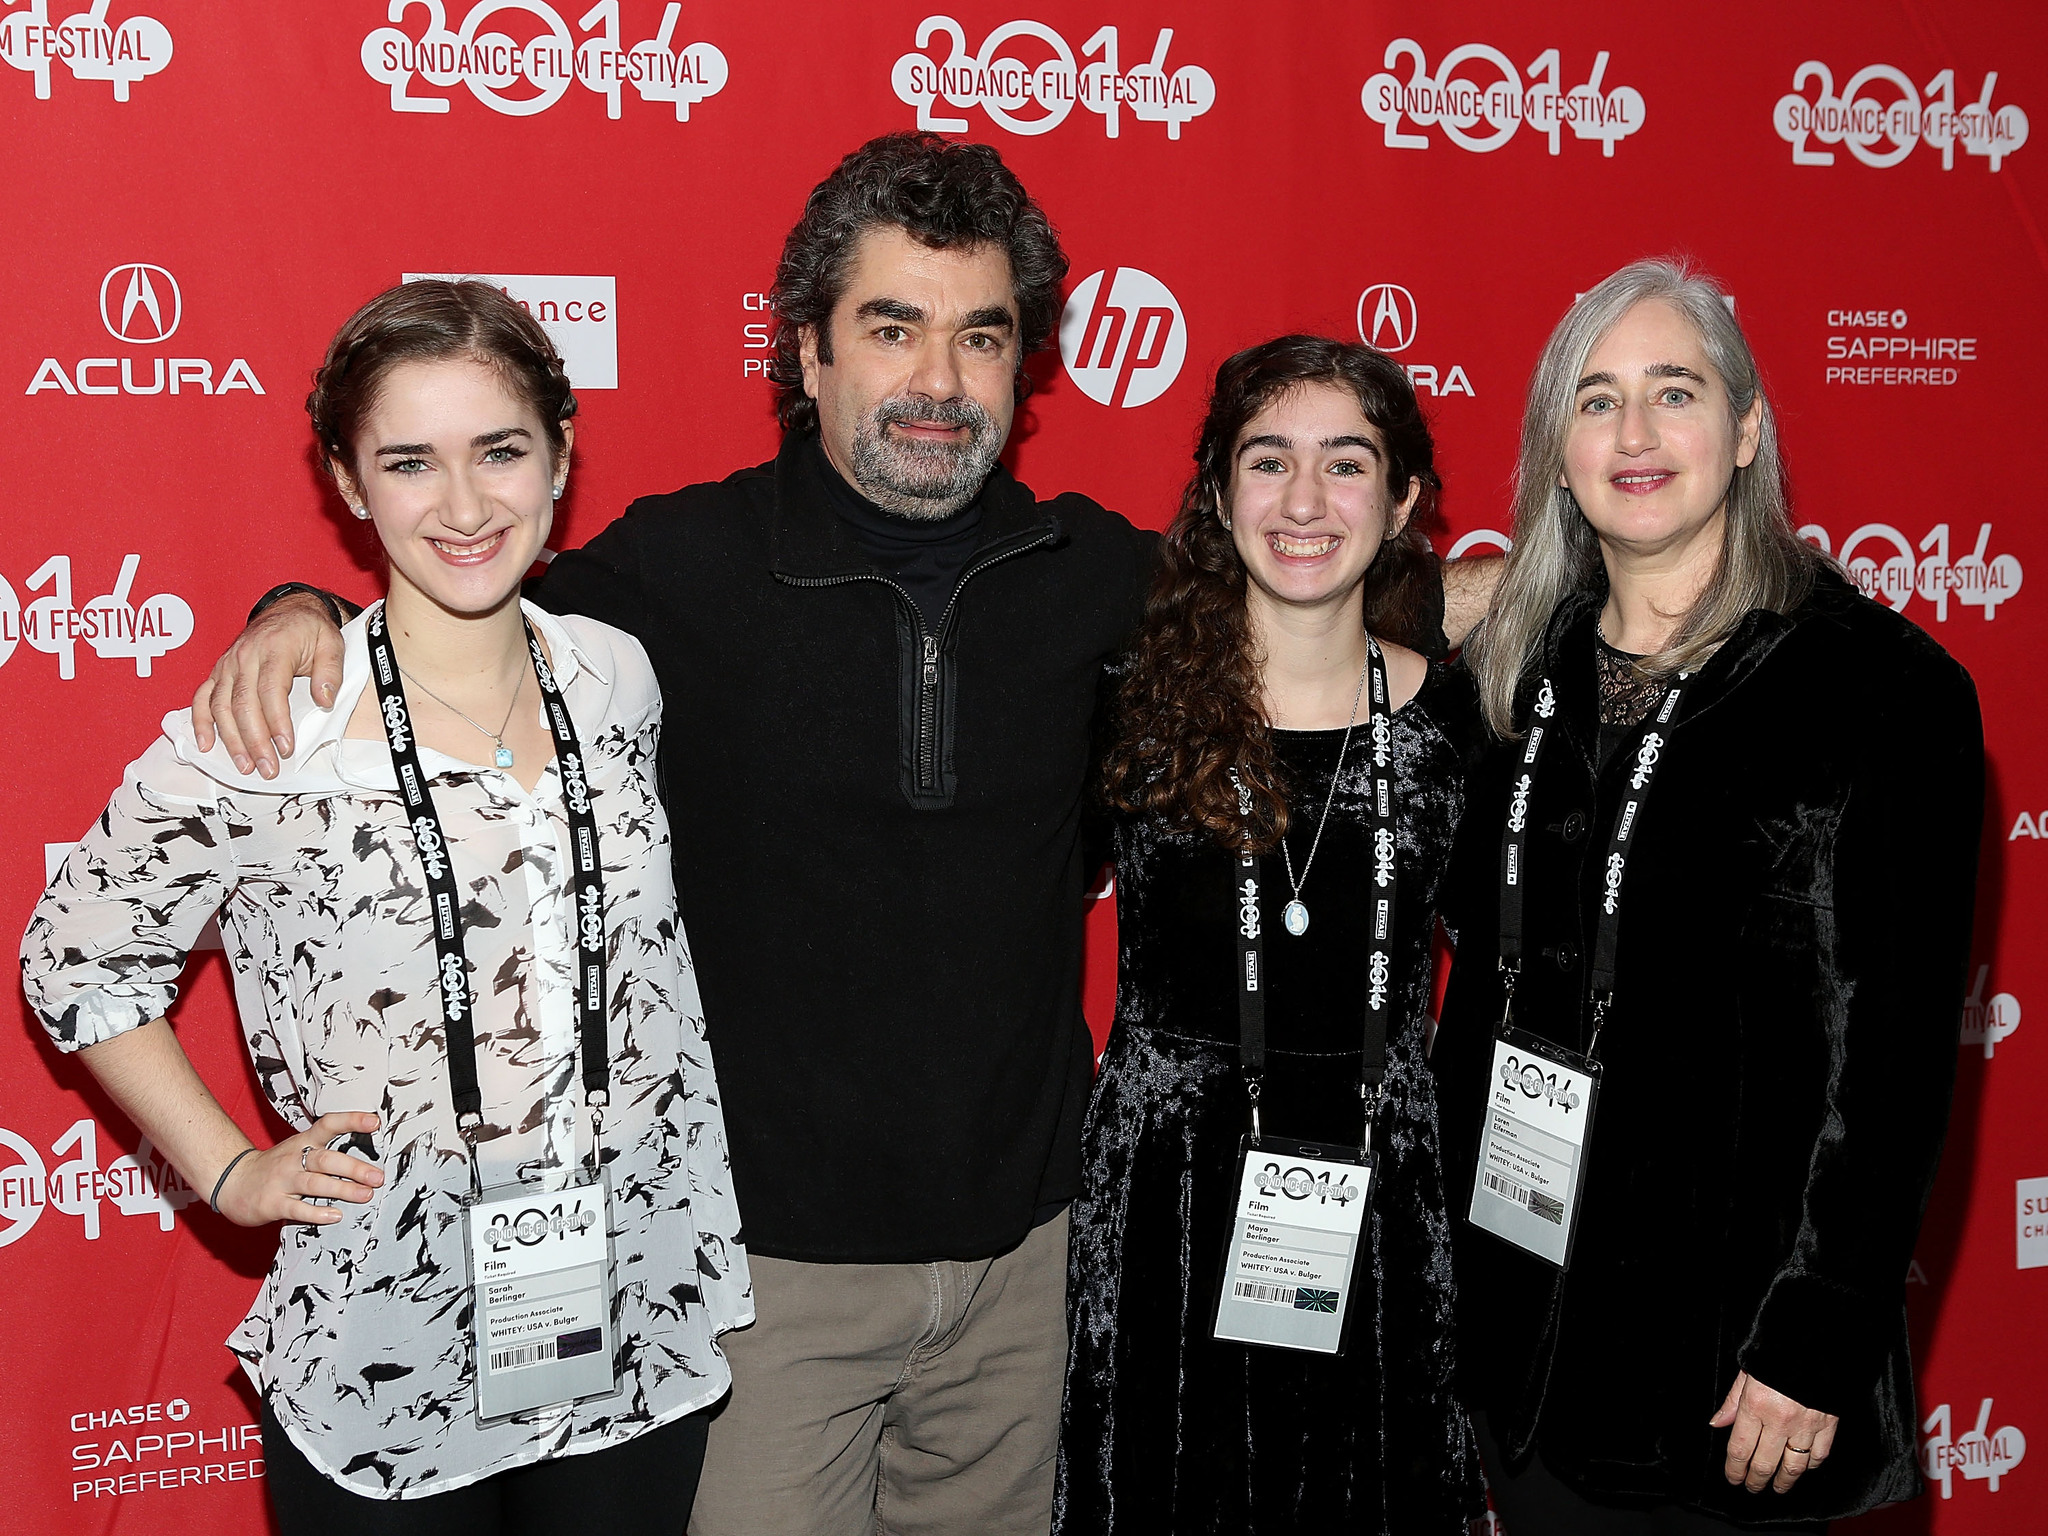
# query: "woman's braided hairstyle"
{"points": [[427, 321]]}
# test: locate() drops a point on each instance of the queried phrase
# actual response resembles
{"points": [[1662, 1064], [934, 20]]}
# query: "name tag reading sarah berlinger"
{"points": [[1532, 1144], [1287, 1272], [540, 1271]]}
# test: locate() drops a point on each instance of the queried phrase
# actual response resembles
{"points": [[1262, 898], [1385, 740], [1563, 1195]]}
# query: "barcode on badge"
{"points": [[1251, 1290], [522, 1355], [1535, 1202]]}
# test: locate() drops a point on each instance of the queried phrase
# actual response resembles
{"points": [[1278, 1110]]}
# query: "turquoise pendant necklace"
{"points": [[502, 758]]}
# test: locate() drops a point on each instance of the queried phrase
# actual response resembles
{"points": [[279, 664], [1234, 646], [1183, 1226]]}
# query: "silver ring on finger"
{"points": [[1800, 1450], [305, 1152]]}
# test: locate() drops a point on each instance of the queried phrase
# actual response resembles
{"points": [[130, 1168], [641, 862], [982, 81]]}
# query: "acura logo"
{"points": [[1386, 317], [140, 303]]}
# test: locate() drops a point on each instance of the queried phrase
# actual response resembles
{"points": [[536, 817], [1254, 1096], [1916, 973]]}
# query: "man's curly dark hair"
{"points": [[943, 194]]}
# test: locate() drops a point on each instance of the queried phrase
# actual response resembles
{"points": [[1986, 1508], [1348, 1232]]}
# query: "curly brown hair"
{"points": [[1189, 708], [944, 195]]}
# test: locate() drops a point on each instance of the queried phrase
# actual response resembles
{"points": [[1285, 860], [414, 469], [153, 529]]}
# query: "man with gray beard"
{"points": [[881, 659]]}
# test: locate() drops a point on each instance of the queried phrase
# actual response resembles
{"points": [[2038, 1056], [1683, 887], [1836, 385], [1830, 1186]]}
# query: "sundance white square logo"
{"points": [[580, 315], [2031, 1196]]}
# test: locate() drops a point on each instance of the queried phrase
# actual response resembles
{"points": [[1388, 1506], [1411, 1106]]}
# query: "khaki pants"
{"points": [[893, 1399]]}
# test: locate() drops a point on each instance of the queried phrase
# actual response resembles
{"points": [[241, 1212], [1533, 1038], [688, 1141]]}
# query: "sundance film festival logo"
{"points": [[1495, 97], [1880, 117], [1883, 564], [116, 625], [142, 1183], [580, 315], [1027, 79], [531, 67], [89, 45], [1122, 337], [1986, 1023], [141, 305], [1978, 1455], [1387, 320]]}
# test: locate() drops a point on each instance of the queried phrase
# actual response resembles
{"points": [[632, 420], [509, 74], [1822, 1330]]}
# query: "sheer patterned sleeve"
{"points": [[110, 936]]}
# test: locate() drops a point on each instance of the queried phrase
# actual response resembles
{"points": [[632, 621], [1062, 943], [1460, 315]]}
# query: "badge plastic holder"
{"points": [[1550, 1086], [1299, 1320], [548, 1339]]}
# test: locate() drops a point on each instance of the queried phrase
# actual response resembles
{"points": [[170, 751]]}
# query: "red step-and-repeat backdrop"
{"points": [[195, 197]]}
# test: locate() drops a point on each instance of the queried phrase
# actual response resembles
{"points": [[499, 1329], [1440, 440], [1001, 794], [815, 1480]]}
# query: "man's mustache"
{"points": [[931, 413]]}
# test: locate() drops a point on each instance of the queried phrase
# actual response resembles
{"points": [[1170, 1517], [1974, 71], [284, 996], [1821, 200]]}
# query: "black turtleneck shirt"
{"points": [[923, 556]]}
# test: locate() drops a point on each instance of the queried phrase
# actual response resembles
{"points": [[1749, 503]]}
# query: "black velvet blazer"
{"points": [[1794, 929]]}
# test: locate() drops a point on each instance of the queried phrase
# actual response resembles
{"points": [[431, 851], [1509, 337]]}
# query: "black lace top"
{"points": [[1627, 693]]}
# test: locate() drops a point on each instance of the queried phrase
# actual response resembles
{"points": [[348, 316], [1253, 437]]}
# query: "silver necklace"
{"points": [[1295, 913], [501, 758]]}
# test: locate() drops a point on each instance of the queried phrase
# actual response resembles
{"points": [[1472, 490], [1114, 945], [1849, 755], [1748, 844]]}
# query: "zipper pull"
{"points": [[931, 661]]}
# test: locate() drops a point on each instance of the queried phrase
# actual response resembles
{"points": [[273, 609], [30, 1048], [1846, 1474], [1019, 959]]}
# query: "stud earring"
{"points": [[559, 489], [360, 510]]}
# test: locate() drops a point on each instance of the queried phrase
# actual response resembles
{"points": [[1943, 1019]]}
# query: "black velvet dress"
{"points": [[1167, 1429]]}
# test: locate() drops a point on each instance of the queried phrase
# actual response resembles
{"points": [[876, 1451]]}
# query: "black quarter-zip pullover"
{"points": [[877, 825]]}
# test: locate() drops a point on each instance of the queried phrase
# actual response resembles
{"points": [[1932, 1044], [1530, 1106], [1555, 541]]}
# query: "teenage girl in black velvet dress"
{"points": [[1297, 535]]}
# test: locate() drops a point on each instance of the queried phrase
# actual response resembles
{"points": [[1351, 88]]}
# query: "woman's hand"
{"points": [[1775, 1440], [277, 1185]]}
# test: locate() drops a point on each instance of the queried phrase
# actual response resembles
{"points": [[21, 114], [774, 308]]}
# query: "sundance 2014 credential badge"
{"points": [[1294, 1238]]}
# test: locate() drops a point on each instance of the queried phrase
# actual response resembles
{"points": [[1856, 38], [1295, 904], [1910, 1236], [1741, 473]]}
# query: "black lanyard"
{"points": [[457, 996], [1514, 850], [1380, 998]]}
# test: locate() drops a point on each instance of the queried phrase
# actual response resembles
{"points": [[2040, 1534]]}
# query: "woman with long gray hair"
{"points": [[1712, 901]]}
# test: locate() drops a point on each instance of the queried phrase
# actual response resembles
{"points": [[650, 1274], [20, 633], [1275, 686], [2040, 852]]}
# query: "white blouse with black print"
{"points": [[358, 1338]]}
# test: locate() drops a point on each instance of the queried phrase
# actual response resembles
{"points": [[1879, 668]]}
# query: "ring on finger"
{"points": [[305, 1152], [1800, 1450]]}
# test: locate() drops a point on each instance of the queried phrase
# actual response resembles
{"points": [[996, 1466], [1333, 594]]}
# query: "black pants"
{"points": [[642, 1488], [1534, 1502]]}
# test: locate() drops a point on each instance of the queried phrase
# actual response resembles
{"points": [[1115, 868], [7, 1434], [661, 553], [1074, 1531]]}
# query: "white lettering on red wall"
{"points": [[1881, 561], [141, 305], [117, 625], [141, 1183], [1457, 104], [1987, 1021], [91, 45], [519, 57], [1027, 78], [156, 1448], [1880, 117], [1978, 1455]]}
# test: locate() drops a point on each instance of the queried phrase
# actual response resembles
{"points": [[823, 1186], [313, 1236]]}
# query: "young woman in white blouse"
{"points": [[465, 846]]}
